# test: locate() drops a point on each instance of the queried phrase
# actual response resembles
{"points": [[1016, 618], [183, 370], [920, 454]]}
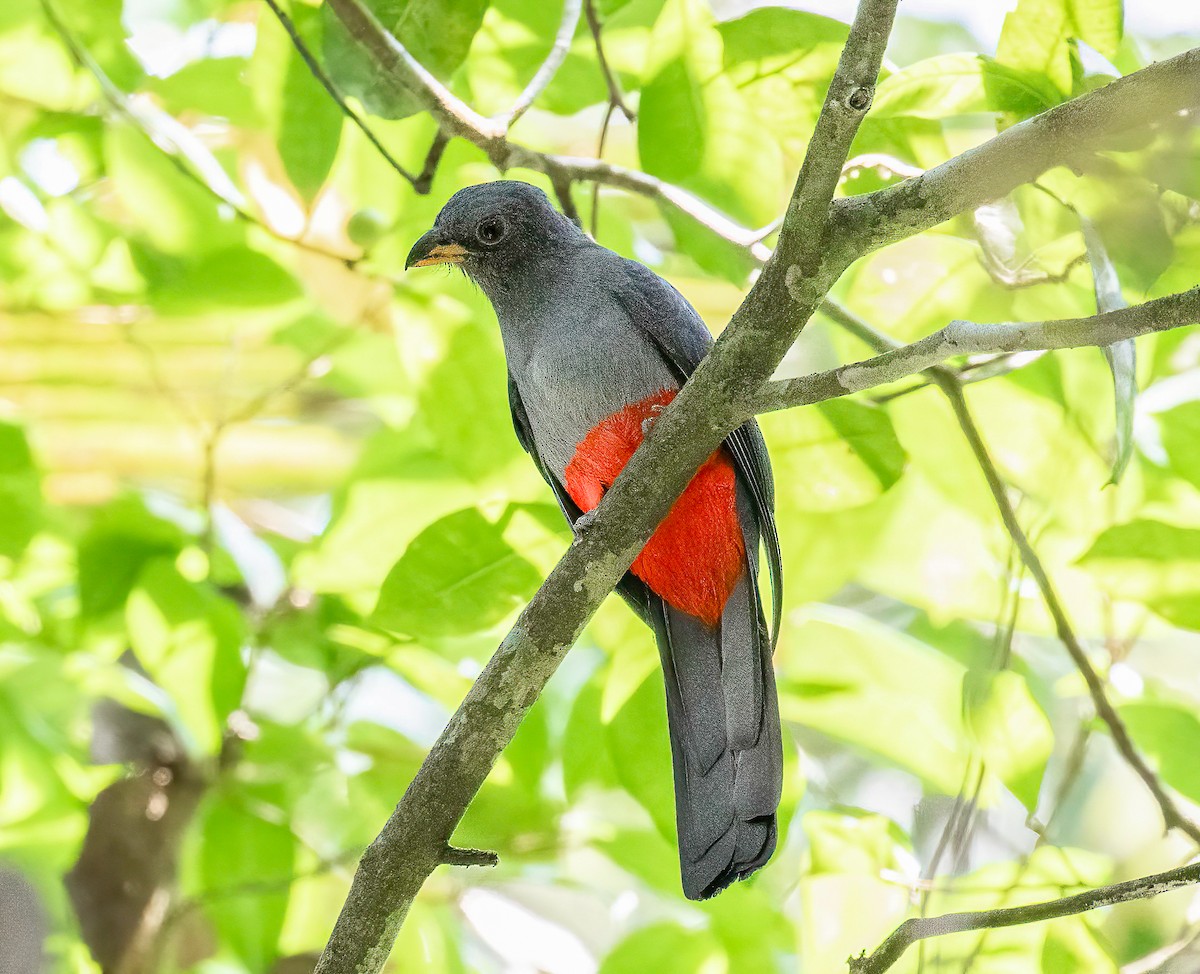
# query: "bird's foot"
{"points": [[583, 522], [655, 410]]}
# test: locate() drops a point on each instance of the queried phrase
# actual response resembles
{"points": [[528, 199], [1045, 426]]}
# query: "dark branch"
{"points": [[616, 97], [454, 856], [916, 929]]}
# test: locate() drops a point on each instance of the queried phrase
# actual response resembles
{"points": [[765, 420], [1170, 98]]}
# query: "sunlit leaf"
{"points": [[246, 865], [457, 576]]}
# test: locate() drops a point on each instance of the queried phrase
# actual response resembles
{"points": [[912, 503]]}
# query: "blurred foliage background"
{"points": [[218, 447]]}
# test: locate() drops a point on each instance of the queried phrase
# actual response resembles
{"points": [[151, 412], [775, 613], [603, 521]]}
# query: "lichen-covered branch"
{"points": [[921, 928], [1066, 134], [968, 338], [413, 841]]}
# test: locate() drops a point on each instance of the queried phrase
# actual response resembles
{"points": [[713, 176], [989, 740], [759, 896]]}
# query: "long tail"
{"points": [[723, 717]]}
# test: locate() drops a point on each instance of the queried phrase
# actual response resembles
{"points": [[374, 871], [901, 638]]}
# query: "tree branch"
{"points": [[913, 930], [457, 119], [817, 242], [846, 104], [1020, 154], [951, 385], [1172, 816], [554, 59], [709, 406], [616, 97], [326, 82], [967, 338]]}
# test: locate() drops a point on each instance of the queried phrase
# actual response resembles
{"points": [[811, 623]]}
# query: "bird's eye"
{"points": [[491, 231]]}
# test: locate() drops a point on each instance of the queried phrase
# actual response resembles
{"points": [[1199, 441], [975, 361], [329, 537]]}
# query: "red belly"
{"points": [[697, 555]]}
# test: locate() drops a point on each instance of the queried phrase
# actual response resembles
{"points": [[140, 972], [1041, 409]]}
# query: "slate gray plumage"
{"points": [[586, 332]]}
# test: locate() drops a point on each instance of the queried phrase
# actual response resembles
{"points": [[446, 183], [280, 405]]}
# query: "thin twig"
{"points": [[951, 387], [913, 930], [616, 97], [549, 67], [326, 82], [1172, 816], [603, 138], [433, 159]]}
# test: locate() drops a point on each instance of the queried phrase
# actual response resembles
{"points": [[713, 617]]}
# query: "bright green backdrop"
{"points": [[217, 449]]}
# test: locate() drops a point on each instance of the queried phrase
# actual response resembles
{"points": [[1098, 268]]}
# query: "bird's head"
{"points": [[492, 230]]}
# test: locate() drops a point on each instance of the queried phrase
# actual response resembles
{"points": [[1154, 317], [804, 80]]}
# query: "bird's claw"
{"points": [[583, 522], [655, 410]]}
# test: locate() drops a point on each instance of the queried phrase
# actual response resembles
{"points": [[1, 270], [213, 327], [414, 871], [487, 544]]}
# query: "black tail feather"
{"points": [[724, 801]]}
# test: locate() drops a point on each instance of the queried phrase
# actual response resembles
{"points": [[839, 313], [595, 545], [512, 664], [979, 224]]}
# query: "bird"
{"points": [[596, 346]]}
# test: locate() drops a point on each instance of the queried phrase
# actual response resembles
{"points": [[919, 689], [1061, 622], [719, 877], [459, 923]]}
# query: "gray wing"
{"points": [[667, 319], [630, 588]]}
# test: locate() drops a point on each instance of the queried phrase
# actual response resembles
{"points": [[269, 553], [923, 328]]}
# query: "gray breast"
{"points": [[585, 361]]}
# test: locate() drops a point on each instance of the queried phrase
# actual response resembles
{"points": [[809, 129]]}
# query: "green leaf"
{"points": [[840, 455], [696, 129], [1151, 562], [20, 492], [237, 277], [961, 84], [1012, 732], [854, 679], [464, 404], [189, 640], [35, 65], [1121, 356], [458, 576], [639, 748], [438, 33], [1037, 35], [242, 851], [1169, 735], [170, 210], [849, 843], [305, 120], [781, 61], [212, 86], [123, 537], [666, 949], [1180, 428]]}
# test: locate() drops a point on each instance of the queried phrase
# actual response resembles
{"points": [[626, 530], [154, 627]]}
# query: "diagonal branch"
{"points": [[846, 104], [549, 68], [917, 929], [968, 338], [1172, 816], [1155, 95], [710, 405]]}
